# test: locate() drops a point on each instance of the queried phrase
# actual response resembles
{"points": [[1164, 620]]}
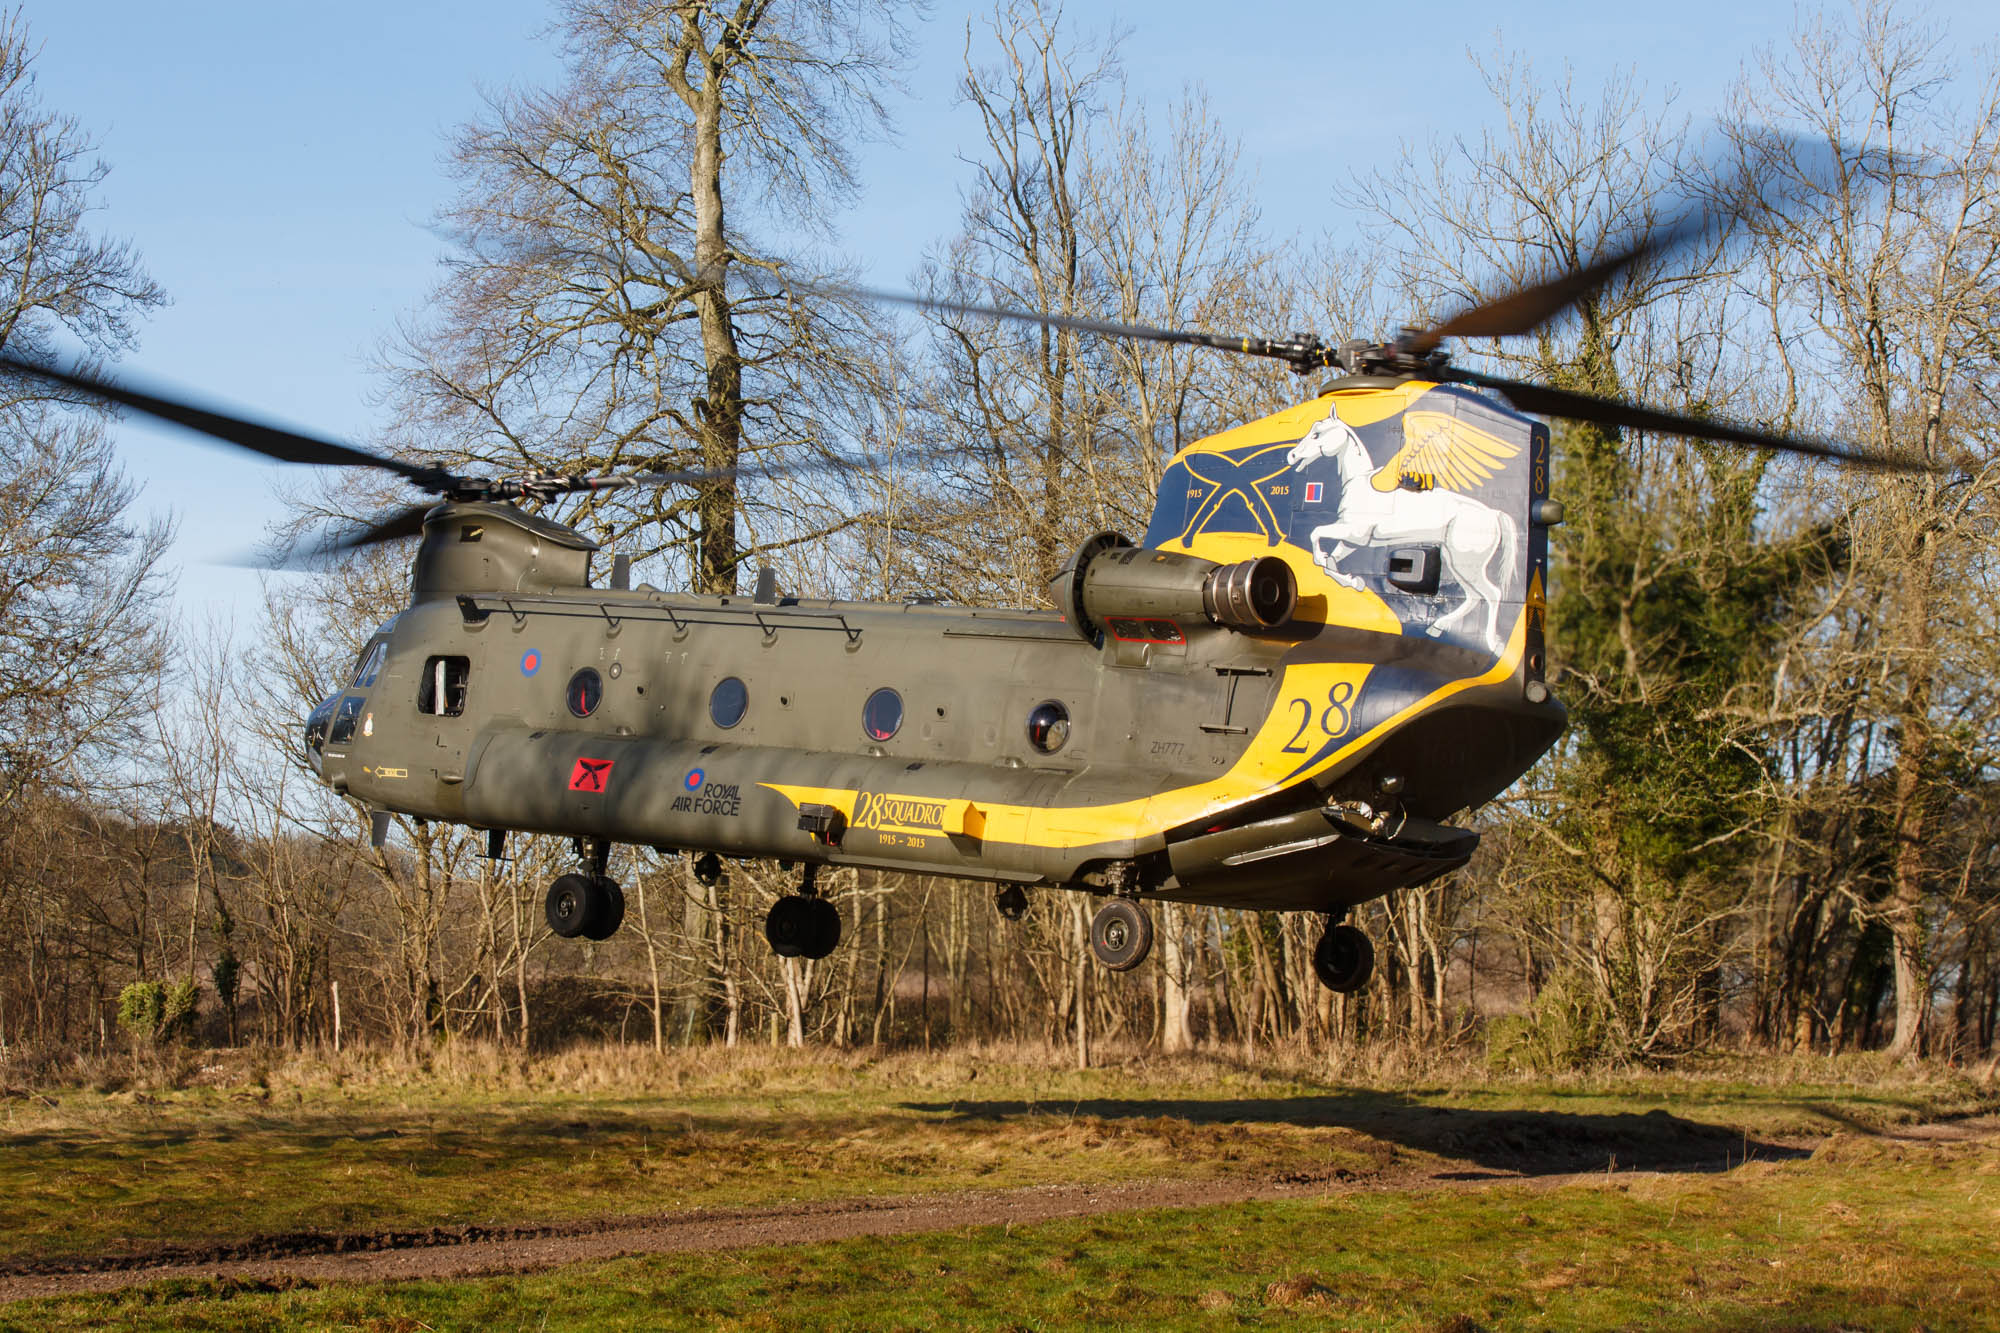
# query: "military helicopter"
{"points": [[1328, 641]]}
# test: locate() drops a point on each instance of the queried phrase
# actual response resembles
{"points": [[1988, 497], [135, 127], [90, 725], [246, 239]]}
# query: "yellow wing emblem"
{"points": [[1440, 450]]}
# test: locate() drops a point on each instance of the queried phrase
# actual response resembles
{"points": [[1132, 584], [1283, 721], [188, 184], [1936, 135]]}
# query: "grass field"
{"points": [[1870, 1232], [1860, 1237]]}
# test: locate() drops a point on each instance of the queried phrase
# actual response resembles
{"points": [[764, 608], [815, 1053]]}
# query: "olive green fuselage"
{"points": [[469, 719]]}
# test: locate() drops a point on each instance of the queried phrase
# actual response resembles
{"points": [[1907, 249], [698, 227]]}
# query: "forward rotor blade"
{"points": [[1575, 406], [1305, 354], [270, 441], [408, 522]]}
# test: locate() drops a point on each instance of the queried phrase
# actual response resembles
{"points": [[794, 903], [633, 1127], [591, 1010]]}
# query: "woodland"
{"points": [[1774, 823]]}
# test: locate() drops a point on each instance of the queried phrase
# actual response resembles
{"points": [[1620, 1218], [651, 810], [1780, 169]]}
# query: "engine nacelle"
{"points": [[479, 547], [1111, 579]]}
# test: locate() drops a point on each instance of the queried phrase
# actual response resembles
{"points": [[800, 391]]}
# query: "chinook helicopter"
{"points": [[1328, 641]]}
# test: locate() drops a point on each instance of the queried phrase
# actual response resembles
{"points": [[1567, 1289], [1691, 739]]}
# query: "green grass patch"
{"points": [[1863, 1235], [355, 1147]]}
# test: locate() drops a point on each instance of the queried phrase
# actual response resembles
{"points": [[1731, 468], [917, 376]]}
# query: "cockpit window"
{"points": [[345, 719], [370, 666], [317, 723]]}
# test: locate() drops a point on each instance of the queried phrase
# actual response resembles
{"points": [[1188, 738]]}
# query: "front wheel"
{"points": [[1343, 959], [610, 909], [571, 905]]}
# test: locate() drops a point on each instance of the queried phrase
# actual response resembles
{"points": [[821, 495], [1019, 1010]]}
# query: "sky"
{"points": [[277, 166]]}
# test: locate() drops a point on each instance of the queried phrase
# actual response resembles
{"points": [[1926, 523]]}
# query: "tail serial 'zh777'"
{"points": [[1327, 643]]}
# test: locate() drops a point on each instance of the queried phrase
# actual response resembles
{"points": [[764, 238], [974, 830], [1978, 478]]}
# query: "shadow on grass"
{"points": [[1511, 1142]]}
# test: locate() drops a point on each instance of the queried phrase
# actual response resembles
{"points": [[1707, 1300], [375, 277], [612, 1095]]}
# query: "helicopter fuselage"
{"points": [[1162, 747]]}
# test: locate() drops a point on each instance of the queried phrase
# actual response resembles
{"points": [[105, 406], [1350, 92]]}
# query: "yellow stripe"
{"points": [[1263, 767]]}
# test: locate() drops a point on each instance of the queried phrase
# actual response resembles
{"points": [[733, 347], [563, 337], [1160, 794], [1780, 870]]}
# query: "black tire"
{"points": [[788, 926], [1344, 959], [1121, 935], [609, 904], [707, 868], [1012, 902], [823, 935], [569, 905]]}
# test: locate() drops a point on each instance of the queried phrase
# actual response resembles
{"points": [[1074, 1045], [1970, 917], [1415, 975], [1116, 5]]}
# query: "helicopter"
{"points": [[1330, 639]]}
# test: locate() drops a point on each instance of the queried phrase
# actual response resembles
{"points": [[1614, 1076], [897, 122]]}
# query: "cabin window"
{"points": [[728, 702], [586, 691], [441, 691], [1048, 726], [882, 715], [344, 720]]}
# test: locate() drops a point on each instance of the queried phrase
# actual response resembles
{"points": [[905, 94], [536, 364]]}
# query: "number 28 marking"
{"points": [[1334, 719]]}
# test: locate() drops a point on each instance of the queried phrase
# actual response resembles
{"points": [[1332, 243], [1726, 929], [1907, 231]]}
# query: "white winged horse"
{"points": [[1468, 534]]}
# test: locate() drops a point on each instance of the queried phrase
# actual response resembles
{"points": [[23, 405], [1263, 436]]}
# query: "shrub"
{"points": [[155, 1011], [1566, 1026], [177, 1012], [140, 1007]]}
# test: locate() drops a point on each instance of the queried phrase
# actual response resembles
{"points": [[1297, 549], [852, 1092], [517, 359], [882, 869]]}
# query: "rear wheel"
{"points": [[788, 926], [1343, 959], [1121, 935], [823, 928]]}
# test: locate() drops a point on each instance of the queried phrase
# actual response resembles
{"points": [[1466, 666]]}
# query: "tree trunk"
{"points": [[720, 410], [1175, 990], [1080, 918], [1908, 949]]}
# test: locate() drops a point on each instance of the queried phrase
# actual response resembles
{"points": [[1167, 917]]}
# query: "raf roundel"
{"points": [[531, 662], [693, 780]]}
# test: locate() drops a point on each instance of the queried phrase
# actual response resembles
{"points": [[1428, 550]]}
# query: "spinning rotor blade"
{"points": [[270, 441], [397, 523], [1528, 308], [1303, 354], [1548, 402]]}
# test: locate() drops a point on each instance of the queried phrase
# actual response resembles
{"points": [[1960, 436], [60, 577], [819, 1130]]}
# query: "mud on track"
{"points": [[1458, 1153]]}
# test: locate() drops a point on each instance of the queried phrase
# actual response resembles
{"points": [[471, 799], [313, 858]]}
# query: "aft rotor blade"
{"points": [[1574, 406], [271, 441], [1528, 308], [1302, 354]]}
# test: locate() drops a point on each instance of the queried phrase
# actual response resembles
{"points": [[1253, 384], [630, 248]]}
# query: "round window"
{"points": [[882, 714], [1048, 726], [586, 691], [729, 701]]}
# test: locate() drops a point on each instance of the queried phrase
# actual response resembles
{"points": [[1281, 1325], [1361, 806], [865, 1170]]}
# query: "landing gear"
{"points": [[590, 904], [1012, 902], [1121, 935], [803, 924], [708, 869], [1343, 959]]}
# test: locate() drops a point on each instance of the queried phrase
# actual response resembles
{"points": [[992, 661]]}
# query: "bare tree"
{"points": [[80, 643], [609, 303], [1878, 228]]}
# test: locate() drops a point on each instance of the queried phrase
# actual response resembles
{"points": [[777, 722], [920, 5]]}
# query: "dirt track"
{"points": [[459, 1252]]}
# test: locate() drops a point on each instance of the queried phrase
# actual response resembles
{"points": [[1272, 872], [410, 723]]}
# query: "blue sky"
{"points": [[276, 164]]}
